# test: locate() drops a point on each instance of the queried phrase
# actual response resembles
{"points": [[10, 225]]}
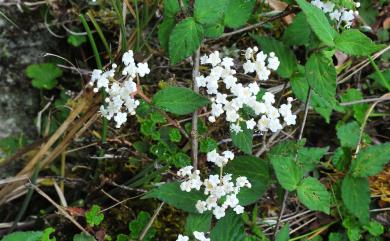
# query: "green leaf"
{"points": [[228, 228], [25, 236], [207, 145], [336, 237], [174, 135], [288, 62], [83, 237], [314, 195], [238, 12], [136, 226], [122, 237], [257, 172], [197, 222], [214, 31], [297, 33], [283, 234], [348, 134], [371, 160], [179, 100], [300, 87], [44, 75], [209, 12], [318, 22], [171, 8], [46, 234], [374, 228], [354, 42], [76, 40], [355, 193], [93, 216], [164, 31], [243, 140], [185, 38], [341, 158], [308, 158], [359, 110], [173, 195], [321, 76], [288, 173]]}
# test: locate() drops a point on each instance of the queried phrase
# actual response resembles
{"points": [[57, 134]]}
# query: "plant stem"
{"points": [[379, 73], [194, 131]]}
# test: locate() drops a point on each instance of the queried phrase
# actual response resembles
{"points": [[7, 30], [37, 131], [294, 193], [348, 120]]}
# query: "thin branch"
{"points": [[147, 227], [194, 131]]}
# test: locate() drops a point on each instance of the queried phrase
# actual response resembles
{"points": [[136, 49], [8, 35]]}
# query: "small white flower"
{"points": [[182, 238], [269, 98], [227, 62], [201, 206], [250, 124], [128, 58], [201, 81], [235, 128], [328, 7], [219, 212], [239, 209], [214, 58], [143, 69], [200, 236], [290, 119], [228, 154]]}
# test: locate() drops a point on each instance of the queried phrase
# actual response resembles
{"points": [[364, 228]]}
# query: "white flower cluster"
{"points": [[200, 236], [240, 95], [340, 15], [216, 187], [120, 100]]}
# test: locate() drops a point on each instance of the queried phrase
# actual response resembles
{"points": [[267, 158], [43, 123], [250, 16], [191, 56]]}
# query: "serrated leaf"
{"points": [[318, 22], [164, 31], [238, 12], [348, 134], [257, 172], [179, 100], [314, 195], [355, 193], [288, 62], [44, 75], [198, 222], [371, 160], [354, 42], [209, 12], [243, 140], [300, 87], [288, 173], [297, 33], [321, 76], [184, 39], [228, 228], [309, 157], [174, 196], [25, 236], [283, 234]]}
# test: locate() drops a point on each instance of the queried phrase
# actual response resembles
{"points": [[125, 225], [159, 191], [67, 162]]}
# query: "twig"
{"points": [[194, 131], [364, 101], [147, 227], [60, 209]]}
